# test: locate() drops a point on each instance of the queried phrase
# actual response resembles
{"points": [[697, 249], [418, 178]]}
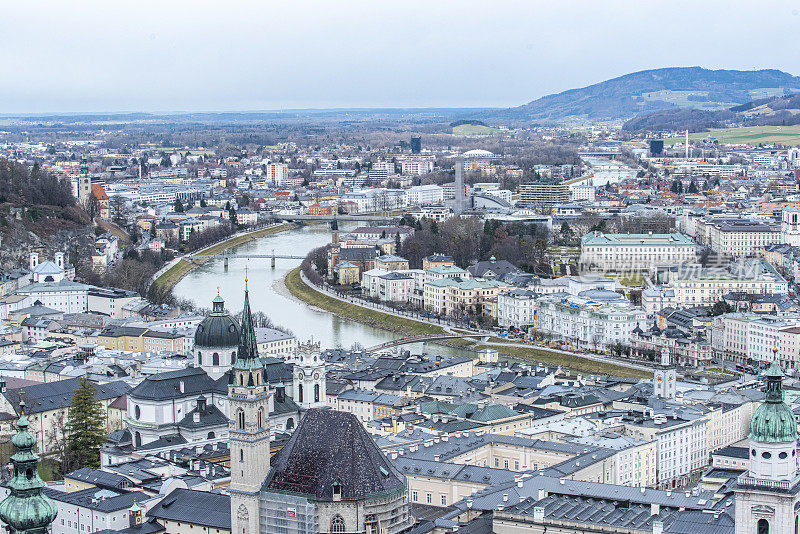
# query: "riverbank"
{"points": [[399, 325], [408, 327], [167, 280]]}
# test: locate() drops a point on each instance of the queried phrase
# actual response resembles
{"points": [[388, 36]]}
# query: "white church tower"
{"points": [[790, 226], [249, 400], [665, 376], [309, 376], [768, 495]]}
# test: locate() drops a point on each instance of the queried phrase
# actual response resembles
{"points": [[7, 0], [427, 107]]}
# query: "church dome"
{"points": [[218, 329], [773, 421]]}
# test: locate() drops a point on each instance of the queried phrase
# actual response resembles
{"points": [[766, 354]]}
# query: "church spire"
{"points": [[248, 347], [26, 510]]}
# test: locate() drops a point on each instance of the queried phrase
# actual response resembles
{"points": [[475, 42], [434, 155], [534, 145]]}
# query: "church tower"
{"points": [[249, 400], [26, 510], [309, 376], [84, 183], [665, 376], [768, 495]]}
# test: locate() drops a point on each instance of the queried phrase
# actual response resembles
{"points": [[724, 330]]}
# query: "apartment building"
{"points": [[740, 237], [543, 194], [424, 194], [635, 252], [517, 308], [707, 286], [452, 296], [588, 322], [750, 336]]}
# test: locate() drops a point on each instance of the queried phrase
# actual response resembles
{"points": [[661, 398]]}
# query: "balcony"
{"points": [[783, 485]]}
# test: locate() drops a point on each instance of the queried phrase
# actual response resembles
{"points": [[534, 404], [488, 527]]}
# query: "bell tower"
{"points": [[309, 376], [664, 377], [248, 398], [768, 494]]}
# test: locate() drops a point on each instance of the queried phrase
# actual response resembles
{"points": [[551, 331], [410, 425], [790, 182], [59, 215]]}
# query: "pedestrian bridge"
{"points": [[420, 339]]}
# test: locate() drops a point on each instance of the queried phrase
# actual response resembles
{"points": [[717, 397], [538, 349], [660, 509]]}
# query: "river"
{"points": [[305, 322]]}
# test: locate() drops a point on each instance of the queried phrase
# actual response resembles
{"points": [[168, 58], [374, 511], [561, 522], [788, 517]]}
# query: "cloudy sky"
{"points": [[173, 55]]}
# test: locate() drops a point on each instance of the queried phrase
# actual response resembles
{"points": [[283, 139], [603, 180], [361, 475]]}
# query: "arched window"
{"points": [[241, 455], [137, 440], [261, 418], [233, 357], [215, 358], [371, 524], [300, 393], [199, 358], [240, 419], [137, 412], [337, 524], [211, 435], [289, 423], [763, 526], [316, 392]]}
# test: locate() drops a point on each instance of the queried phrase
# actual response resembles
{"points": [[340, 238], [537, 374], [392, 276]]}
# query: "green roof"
{"points": [[773, 421]]}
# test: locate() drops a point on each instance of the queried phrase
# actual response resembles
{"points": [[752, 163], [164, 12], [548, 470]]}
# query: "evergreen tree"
{"points": [[693, 187], [232, 215], [178, 206], [85, 426], [203, 203]]}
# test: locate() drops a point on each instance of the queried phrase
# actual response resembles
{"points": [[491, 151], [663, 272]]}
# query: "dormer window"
{"points": [[337, 491]]}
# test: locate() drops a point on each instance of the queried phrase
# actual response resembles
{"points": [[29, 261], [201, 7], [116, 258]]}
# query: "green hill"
{"points": [[656, 90]]}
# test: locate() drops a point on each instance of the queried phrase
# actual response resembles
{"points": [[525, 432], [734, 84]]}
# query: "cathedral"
{"points": [[193, 405]]}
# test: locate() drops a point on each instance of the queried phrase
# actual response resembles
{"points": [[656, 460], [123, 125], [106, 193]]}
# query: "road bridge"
{"points": [[225, 256], [331, 218]]}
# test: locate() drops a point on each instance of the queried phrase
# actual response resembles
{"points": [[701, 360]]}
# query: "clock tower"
{"points": [[309, 376], [665, 376]]}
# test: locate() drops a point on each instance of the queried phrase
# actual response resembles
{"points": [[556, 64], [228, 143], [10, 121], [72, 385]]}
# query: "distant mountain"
{"points": [[776, 111], [655, 90]]}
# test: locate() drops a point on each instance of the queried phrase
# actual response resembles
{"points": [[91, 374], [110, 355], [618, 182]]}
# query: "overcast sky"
{"points": [[172, 55]]}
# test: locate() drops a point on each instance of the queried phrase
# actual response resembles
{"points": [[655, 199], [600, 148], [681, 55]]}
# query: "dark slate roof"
{"points": [[330, 447], [165, 386], [195, 507], [56, 395], [498, 267], [101, 500], [99, 478], [210, 416], [147, 527]]}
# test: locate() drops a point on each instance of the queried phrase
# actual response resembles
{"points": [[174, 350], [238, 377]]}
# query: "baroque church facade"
{"points": [[192, 405]]}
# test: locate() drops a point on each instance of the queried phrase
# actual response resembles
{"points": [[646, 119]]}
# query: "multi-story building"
{"points": [[451, 296], [543, 194], [697, 286], [424, 194], [739, 237], [277, 173], [635, 252], [589, 322], [517, 308], [752, 337]]}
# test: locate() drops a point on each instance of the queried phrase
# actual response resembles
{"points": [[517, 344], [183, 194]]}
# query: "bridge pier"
{"points": [[273, 262], [226, 262]]}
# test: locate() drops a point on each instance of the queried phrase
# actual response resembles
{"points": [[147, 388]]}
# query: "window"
{"points": [[137, 412], [414, 497], [337, 524], [316, 392], [300, 393], [241, 455], [428, 498], [199, 358], [444, 500], [261, 418], [763, 526], [215, 358], [240, 419]]}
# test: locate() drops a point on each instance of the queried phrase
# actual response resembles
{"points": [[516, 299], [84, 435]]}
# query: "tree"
{"points": [[693, 187], [203, 203], [178, 205], [232, 216], [85, 426]]}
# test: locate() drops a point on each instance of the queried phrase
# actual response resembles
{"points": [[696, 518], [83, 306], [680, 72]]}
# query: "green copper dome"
{"points": [[773, 421], [26, 510]]}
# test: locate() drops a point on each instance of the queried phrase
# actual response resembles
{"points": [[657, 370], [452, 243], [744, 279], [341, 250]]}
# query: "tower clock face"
{"points": [[669, 378], [316, 376], [659, 378], [300, 376]]}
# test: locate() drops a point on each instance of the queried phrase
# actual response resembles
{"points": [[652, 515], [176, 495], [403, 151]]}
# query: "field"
{"points": [[749, 135], [474, 129]]}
